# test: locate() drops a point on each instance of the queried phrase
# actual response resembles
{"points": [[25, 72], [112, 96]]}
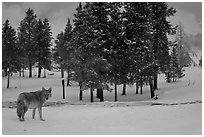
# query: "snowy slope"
{"points": [[133, 114]]}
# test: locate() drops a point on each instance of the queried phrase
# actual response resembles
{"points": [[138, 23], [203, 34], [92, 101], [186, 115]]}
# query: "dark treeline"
{"points": [[108, 43], [128, 40], [30, 47]]}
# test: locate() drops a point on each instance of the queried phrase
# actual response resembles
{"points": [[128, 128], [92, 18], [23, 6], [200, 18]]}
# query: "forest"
{"points": [[109, 43]]}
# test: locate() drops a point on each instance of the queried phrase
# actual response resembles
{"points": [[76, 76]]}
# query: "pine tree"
{"points": [[183, 48], [26, 38], [115, 47], [58, 52], [43, 44], [22, 58], [160, 28], [125, 34], [46, 60], [173, 72], [39, 41], [138, 34], [76, 42], [187, 61], [88, 41], [67, 39], [174, 63], [10, 51], [63, 50], [183, 56], [146, 32], [180, 35]]}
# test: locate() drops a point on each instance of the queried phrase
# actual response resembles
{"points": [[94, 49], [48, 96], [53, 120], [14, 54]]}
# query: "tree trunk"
{"points": [[91, 94], [136, 87], [155, 82], [173, 75], [146, 80], [168, 79], [62, 73], [39, 71], [44, 73], [29, 52], [8, 80], [68, 81], [20, 72], [99, 94], [81, 95], [30, 70], [124, 89], [23, 72], [151, 87], [63, 89], [80, 92], [141, 84], [115, 92]]}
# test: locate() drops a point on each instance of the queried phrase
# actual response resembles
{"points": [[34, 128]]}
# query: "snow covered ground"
{"points": [[132, 114]]}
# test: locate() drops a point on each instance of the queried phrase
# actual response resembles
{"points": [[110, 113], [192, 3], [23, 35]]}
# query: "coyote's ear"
{"points": [[43, 89], [50, 89]]}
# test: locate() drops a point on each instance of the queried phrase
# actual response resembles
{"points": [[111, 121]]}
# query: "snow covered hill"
{"points": [[178, 109], [194, 46]]}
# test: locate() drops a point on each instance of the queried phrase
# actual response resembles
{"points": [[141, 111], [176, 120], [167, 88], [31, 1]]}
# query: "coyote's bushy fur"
{"points": [[32, 100]]}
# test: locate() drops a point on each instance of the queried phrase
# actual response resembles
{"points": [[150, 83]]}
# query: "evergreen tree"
{"points": [[183, 56], [125, 34], [88, 41], [181, 52], [174, 66], [46, 60], [79, 55], [67, 39], [160, 28], [174, 72], [63, 50], [26, 38], [183, 47], [115, 49], [39, 44], [187, 61], [58, 52], [43, 44], [180, 38], [139, 37], [146, 33], [112, 41], [10, 51], [22, 58]]}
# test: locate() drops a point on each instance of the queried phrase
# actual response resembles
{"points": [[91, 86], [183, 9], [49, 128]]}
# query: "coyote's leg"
{"points": [[23, 115], [40, 112], [34, 113]]}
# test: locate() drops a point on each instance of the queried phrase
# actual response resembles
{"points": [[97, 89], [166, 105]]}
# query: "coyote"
{"points": [[32, 100]]}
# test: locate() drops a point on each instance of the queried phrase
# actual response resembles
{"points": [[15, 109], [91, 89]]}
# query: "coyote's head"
{"points": [[46, 93]]}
